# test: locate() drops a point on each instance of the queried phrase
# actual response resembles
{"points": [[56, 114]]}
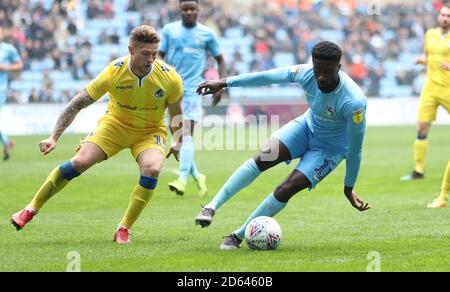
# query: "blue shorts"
{"points": [[192, 105], [318, 159]]}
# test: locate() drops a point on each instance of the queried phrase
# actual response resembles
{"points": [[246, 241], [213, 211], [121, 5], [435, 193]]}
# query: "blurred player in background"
{"points": [[330, 131], [185, 45], [442, 200], [9, 61], [437, 88], [140, 88]]}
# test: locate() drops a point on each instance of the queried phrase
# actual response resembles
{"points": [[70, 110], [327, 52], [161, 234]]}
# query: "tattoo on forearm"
{"points": [[79, 102]]}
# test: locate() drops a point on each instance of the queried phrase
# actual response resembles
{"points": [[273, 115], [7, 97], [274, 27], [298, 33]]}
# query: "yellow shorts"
{"points": [[112, 137], [430, 101]]}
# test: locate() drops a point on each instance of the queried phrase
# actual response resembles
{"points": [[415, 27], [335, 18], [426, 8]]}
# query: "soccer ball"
{"points": [[263, 233]]}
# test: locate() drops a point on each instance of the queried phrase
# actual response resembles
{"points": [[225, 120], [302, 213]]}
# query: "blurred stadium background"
{"points": [[65, 43]]}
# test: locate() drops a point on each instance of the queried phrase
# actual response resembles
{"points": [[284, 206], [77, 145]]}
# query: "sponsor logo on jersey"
{"points": [[358, 116], [198, 39], [160, 93], [329, 111], [124, 87]]}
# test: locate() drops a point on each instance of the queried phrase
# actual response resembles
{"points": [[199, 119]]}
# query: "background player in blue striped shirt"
{"points": [[185, 45], [9, 61], [330, 131]]}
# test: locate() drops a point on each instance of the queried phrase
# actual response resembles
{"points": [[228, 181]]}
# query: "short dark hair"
{"points": [[327, 51], [144, 34]]}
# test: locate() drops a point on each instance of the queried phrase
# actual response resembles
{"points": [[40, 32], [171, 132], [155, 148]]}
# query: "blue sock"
{"points": [[186, 158], [68, 172], [194, 171], [4, 138], [148, 183], [269, 207], [240, 179]]}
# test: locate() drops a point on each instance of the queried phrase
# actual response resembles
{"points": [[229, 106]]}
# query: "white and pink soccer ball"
{"points": [[263, 233]]}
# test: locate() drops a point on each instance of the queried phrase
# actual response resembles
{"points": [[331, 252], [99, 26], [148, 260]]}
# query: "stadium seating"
{"points": [[235, 38]]}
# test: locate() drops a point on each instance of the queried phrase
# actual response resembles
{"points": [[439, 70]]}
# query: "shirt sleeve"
{"points": [[177, 90], [14, 56], [355, 115], [213, 45], [98, 87], [164, 45], [292, 74]]}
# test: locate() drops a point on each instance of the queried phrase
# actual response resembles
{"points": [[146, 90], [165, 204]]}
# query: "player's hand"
{"points": [[217, 97], [356, 201], [445, 66], [420, 61], [3, 67], [175, 150], [48, 145], [211, 87]]}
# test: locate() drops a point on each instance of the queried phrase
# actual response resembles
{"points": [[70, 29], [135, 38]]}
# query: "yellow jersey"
{"points": [[139, 103], [437, 47]]}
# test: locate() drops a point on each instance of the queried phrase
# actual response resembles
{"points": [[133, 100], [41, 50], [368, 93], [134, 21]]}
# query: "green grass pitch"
{"points": [[321, 231]]}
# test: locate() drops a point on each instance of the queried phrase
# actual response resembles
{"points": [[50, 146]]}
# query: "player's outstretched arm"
{"points": [[275, 76], [176, 125], [356, 201], [211, 87], [79, 102]]}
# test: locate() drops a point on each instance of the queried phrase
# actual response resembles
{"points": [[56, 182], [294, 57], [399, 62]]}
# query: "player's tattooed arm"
{"points": [[79, 102]]}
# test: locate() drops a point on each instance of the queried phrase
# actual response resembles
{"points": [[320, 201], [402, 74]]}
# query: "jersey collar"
{"points": [[339, 86], [140, 79], [444, 35]]}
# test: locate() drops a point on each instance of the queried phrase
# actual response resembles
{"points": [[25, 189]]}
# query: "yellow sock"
{"points": [[54, 183], [139, 199], [420, 150], [446, 184]]}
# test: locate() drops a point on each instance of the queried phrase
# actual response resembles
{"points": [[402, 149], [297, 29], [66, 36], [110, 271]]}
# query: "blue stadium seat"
{"points": [[31, 76], [234, 32], [61, 76], [396, 91], [283, 59], [332, 35], [388, 82]]}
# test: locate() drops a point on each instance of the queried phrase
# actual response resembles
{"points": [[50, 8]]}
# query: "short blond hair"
{"points": [[144, 34]]}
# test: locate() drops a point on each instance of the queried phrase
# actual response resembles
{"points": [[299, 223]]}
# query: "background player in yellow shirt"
{"points": [[140, 88], [442, 200], [437, 88]]}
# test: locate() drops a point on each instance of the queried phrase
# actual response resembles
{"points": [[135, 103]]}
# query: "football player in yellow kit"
{"points": [[140, 88], [436, 91], [442, 200]]}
